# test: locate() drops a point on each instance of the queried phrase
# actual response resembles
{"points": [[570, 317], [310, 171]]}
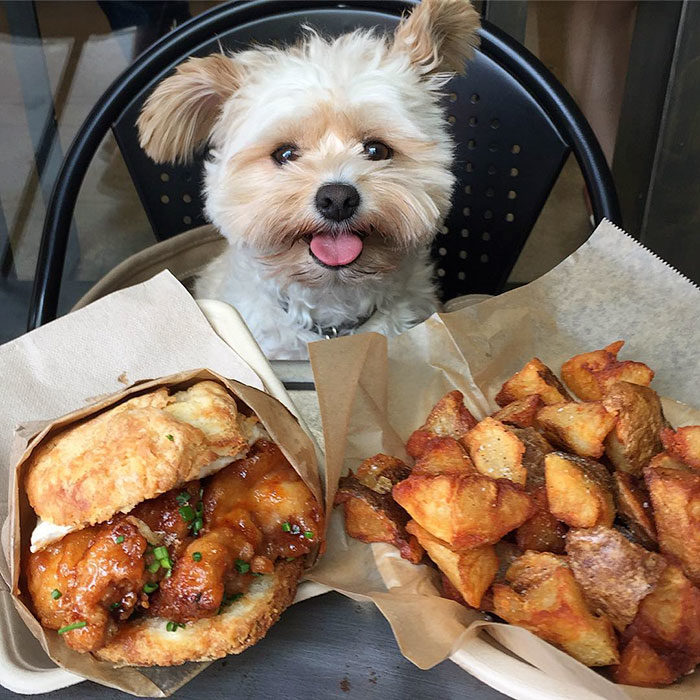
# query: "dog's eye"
{"points": [[285, 153], [376, 150]]}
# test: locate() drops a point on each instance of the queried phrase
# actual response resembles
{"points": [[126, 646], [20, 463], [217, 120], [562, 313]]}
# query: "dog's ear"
{"points": [[180, 113], [439, 35]]}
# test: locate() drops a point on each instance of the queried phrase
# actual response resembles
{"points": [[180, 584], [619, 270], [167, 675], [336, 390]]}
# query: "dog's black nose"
{"points": [[337, 201]]}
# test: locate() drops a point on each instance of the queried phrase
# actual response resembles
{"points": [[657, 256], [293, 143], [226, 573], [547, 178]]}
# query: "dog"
{"points": [[329, 173]]}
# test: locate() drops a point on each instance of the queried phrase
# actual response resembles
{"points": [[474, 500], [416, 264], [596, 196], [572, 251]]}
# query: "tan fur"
{"points": [[179, 115], [439, 35]]}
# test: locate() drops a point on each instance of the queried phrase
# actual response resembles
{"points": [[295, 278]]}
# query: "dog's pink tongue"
{"points": [[335, 250]]}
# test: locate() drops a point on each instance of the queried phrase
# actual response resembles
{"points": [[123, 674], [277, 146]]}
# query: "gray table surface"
{"points": [[324, 647]]}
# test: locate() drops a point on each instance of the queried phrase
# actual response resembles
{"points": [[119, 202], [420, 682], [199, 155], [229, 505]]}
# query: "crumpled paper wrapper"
{"points": [[374, 392], [152, 329]]}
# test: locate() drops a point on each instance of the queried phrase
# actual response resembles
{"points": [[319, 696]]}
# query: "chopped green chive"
{"points": [[173, 626], [197, 525], [242, 566], [114, 606], [201, 492], [56, 594], [199, 509], [119, 539], [73, 626], [286, 527], [168, 573], [290, 558], [170, 437], [182, 498], [152, 568], [197, 556], [308, 534], [187, 513], [161, 553], [166, 563], [256, 573], [149, 588]]}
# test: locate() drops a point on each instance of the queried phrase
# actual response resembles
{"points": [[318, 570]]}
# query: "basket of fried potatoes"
{"points": [[577, 520]]}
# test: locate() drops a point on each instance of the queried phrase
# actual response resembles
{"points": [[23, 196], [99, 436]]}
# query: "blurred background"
{"points": [[633, 67]]}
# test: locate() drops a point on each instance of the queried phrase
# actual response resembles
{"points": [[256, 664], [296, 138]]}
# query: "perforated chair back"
{"points": [[513, 124]]}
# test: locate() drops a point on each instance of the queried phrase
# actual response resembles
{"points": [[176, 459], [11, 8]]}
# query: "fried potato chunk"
{"points": [[633, 504], [683, 444], [444, 456], [590, 374], [534, 378], [542, 532], [663, 460], [635, 438], [614, 573], [675, 495], [470, 571], [544, 598], [372, 516], [668, 621], [536, 447], [496, 451], [520, 413], [577, 427], [578, 490], [464, 510], [448, 418], [381, 472], [641, 665]]}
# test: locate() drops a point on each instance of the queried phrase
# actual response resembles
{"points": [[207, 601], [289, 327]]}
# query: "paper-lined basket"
{"points": [[374, 392]]}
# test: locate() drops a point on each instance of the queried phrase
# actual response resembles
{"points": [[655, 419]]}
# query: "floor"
{"points": [[75, 60]]}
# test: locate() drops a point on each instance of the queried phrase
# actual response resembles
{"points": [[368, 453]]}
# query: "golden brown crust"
{"points": [[147, 642], [77, 477]]}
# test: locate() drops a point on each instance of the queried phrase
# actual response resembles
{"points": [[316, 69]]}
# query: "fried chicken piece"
{"points": [[86, 579]]}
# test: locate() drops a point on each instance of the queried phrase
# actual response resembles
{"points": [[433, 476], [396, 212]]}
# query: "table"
{"points": [[324, 647]]}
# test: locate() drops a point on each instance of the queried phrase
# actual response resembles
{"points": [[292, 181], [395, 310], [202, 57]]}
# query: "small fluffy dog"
{"points": [[329, 173]]}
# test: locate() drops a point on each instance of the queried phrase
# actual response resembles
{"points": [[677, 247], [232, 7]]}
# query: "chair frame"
{"points": [[495, 44]]}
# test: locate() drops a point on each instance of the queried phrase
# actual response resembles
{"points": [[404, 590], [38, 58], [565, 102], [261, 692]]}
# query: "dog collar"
{"points": [[329, 332]]}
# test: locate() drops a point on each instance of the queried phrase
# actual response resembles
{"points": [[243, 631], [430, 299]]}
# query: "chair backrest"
{"points": [[514, 126]]}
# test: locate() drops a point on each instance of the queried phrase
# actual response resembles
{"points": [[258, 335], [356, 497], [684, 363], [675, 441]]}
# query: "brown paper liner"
{"points": [[373, 393], [153, 682]]}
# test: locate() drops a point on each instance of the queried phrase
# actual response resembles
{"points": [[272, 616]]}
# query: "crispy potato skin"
{"points": [[668, 622], [381, 472], [633, 504], [614, 574], [675, 495], [464, 510], [536, 447], [496, 452], [471, 571], [521, 413], [635, 438], [375, 517], [590, 374], [683, 444], [641, 665], [448, 418], [542, 532], [578, 490], [534, 378], [577, 427], [544, 598]]}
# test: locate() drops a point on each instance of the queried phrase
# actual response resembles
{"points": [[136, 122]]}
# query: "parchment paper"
{"points": [[150, 330], [373, 393]]}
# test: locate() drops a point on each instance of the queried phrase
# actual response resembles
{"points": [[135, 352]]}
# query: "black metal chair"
{"points": [[513, 122]]}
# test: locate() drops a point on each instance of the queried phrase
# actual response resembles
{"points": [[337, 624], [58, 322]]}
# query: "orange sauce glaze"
{"points": [[219, 534]]}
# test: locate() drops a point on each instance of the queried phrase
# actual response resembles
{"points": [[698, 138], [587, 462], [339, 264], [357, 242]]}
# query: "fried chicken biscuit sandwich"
{"points": [[171, 528]]}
